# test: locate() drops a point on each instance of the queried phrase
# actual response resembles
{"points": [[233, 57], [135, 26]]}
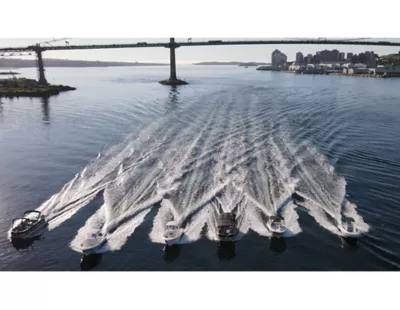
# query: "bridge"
{"points": [[172, 45]]}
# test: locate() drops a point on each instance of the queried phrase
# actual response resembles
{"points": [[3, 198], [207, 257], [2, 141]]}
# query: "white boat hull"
{"points": [[276, 232], [173, 240], [93, 248], [347, 234]]}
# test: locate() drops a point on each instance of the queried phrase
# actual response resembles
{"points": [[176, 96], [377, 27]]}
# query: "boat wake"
{"points": [[230, 151]]}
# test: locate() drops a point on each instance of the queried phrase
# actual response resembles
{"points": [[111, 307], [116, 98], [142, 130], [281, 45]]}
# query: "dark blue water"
{"points": [[125, 154]]}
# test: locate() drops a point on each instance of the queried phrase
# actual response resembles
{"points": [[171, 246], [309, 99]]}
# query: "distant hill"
{"points": [[228, 63], [28, 63], [217, 63], [391, 60], [252, 64]]}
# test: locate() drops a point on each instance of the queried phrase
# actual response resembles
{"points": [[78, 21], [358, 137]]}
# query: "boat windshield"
{"points": [[172, 227], [18, 222], [276, 224], [33, 216]]}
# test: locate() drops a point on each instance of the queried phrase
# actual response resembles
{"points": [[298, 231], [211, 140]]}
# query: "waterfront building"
{"points": [[349, 56], [329, 56], [278, 59], [299, 57]]}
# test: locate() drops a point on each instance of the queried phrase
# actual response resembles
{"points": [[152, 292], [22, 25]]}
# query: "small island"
{"points": [[23, 87]]}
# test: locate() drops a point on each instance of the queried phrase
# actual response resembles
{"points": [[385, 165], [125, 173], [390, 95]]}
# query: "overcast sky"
{"points": [[185, 55]]}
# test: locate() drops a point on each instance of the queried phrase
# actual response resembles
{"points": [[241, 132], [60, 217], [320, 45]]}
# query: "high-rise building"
{"points": [[362, 58], [278, 59], [299, 57], [349, 55], [341, 56], [309, 58], [329, 56], [355, 59], [370, 59]]}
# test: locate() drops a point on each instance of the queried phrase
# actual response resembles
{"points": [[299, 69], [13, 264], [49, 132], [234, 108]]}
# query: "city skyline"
{"points": [[185, 55], [335, 55]]}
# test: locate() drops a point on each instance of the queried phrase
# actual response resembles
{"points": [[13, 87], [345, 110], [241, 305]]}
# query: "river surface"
{"points": [[125, 155]]}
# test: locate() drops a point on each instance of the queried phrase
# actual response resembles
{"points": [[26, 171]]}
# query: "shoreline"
{"points": [[378, 76]]}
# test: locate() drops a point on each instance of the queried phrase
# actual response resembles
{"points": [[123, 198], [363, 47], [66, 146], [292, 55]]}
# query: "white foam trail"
{"points": [[291, 220], [212, 229], [85, 186], [118, 238], [130, 196], [225, 151], [257, 224], [322, 187], [194, 228]]}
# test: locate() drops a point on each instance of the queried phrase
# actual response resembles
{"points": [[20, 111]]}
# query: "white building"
{"points": [[278, 59], [391, 71]]}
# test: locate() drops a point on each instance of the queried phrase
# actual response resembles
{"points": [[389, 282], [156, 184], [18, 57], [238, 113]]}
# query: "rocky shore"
{"points": [[23, 87]]}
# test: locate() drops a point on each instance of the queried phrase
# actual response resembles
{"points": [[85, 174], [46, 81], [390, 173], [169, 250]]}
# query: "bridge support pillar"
{"points": [[40, 66], [173, 80]]}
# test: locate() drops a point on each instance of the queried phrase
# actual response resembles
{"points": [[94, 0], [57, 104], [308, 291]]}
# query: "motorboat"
{"points": [[173, 233], [227, 229], [348, 228], [94, 241], [30, 225], [276, 225]]}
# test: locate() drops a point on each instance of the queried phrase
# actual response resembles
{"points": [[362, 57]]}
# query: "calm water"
{"points": [[125, 155]]}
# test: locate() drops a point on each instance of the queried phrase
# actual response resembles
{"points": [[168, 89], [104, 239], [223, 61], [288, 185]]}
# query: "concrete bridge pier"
{"points": [[40, 67], [173, 80]]}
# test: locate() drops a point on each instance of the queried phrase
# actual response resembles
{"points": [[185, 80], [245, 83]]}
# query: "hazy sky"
{"points": [[185, 54]]}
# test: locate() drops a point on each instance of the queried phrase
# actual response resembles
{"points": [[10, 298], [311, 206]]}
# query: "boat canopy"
{"points": [[33, 215], [348, 219], [227, 216], [226, 219], [226, 223]]}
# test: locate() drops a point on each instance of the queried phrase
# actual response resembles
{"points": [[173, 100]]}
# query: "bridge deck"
{"points": [[203, 43]]}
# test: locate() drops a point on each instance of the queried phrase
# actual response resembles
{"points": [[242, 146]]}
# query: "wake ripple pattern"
{"points": [[233, 150]]}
